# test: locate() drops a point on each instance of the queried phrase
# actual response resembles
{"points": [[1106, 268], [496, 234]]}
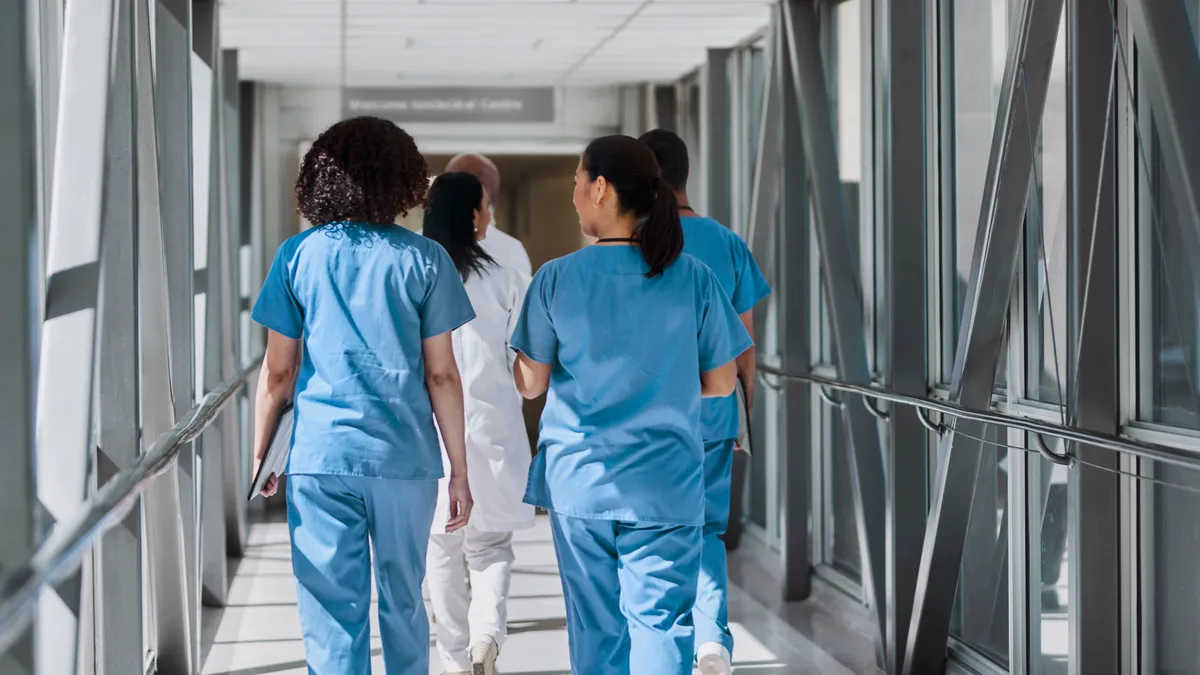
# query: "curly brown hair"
{"points": [[365, 169]]}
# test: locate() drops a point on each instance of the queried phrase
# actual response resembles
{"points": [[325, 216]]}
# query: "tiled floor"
{"points": [[258, 633]]}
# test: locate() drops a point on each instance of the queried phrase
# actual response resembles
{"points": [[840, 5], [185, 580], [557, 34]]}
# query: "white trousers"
{"points": [[464, 616]]}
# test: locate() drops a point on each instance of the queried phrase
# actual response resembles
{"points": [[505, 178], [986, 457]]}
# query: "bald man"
{"points": [[506, 248]]}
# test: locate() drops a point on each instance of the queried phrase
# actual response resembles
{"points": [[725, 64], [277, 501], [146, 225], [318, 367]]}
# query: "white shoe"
{"points": [[483, 657], [713, 659]]}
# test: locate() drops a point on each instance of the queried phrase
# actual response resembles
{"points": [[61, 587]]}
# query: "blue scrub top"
{"points": [[728, 257], [619, 435], [363, 297]]}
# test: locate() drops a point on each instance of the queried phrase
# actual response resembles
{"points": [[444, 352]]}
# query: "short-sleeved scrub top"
{"points": [[363, 297], [619, 435], [730, 260]]}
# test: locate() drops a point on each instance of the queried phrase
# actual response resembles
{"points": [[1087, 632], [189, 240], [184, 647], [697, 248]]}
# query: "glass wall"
{"points": [[1168, 386], [1017, 604]]}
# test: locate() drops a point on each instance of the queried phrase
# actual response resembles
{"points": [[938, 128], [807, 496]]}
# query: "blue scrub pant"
{"points": [[330, 519], [629, 589], [711, 613]]}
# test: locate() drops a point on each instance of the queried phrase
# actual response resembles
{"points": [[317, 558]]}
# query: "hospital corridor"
{"points": [[257, 630], [600, 337]]}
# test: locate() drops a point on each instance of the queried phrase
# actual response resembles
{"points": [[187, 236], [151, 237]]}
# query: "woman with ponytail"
{"points": [[626, 336], [471, 623]]}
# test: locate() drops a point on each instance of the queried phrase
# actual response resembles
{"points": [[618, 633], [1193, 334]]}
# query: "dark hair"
{"points": [[672, 155], [450, 220], [629, 166], [365, 169]]}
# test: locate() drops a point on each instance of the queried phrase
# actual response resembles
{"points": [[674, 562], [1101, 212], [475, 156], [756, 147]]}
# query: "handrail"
{"points": [[60, 554], [1151, 451]]}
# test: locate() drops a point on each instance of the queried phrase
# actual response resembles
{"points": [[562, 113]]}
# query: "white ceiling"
{"points": [[482, 42]]}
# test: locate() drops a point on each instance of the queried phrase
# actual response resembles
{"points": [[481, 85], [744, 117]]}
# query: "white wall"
{"points": [[582, 114], [289, 116]]}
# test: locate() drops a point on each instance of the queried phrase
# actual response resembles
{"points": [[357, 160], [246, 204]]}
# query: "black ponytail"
{"points": [[661, 232], [630, 167], [450, 220]]}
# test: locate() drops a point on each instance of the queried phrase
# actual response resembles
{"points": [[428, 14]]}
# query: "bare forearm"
{"points": [[446, 396], [747, 364], [274, 391]]}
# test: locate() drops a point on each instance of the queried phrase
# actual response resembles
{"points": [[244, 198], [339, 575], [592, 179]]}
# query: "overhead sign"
{"points": [[453, 104]]}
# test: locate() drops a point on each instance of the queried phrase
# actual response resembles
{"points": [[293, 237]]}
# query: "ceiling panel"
{"points": [[527, 42]]}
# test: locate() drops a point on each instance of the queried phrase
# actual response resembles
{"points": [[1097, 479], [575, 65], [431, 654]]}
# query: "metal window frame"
{"points": [[117, 558], [67, 357], [1095, 500], [843, 291], [997, 250], [718, 141], [23, 189], [901, 137], [173, 107]]}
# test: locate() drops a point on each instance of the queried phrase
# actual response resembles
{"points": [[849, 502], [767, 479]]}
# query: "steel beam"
{"points": [[1091, 393], [66, 358], [791, 281], [900, 70], [997, 251], [118, 558], [173, 108], [1169, 61], [718, 142], [163, 507], [237, 458], [20, 304], [843, 293], [207, 232]]}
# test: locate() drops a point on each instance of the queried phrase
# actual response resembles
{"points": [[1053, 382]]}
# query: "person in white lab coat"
{"points": [[505, 248], [471, 625]]}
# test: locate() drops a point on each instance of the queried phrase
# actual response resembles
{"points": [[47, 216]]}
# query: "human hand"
{"points": [[272, 483], [460, 502]]}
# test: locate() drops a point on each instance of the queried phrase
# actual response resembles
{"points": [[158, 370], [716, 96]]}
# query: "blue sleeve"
{"points": [[534, 334], [751, 287], [277, 307], [446, 305], [722, 336]]}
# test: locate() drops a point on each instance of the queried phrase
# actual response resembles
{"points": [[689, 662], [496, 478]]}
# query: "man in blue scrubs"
{"points": [[727, 255]]}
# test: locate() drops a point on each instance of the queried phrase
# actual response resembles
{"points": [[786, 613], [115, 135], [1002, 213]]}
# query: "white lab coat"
{"points": [[506, 249], [498, 452]]}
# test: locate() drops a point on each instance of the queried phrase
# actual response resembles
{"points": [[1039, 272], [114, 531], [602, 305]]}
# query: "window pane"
{"points": [[1172, 360], [981, 607], [1172, 586], [845, 554], [1046, 244], [979, 32], [1048, 569]]}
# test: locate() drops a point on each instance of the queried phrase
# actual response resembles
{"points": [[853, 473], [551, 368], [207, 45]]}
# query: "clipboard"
{"points": [[278, 448], [744, 438]]}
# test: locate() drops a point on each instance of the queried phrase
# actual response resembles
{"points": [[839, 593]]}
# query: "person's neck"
{"points": [[685, 204], [620, 231]]}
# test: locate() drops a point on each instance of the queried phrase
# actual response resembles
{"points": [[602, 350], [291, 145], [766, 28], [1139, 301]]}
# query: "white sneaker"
{"points": [[483, 657], [713, 659]]}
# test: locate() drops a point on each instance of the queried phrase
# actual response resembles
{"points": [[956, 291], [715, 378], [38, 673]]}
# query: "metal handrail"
{"points": [[62, 551], [1151, 451]]}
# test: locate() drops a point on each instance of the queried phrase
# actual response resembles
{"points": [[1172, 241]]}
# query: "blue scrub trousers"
{"points": [[629, 589], [711, 613], [330, 518]]}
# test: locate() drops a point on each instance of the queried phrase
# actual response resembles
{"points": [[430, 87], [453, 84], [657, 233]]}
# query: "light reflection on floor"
{"points": [[258, 633]]}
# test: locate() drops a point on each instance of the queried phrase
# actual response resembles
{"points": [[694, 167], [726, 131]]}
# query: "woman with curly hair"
{"points": [[359, 315]]}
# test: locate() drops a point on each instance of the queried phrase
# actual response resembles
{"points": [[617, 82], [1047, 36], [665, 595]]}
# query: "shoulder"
{"points": [[693, 267], [713, 231]]}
